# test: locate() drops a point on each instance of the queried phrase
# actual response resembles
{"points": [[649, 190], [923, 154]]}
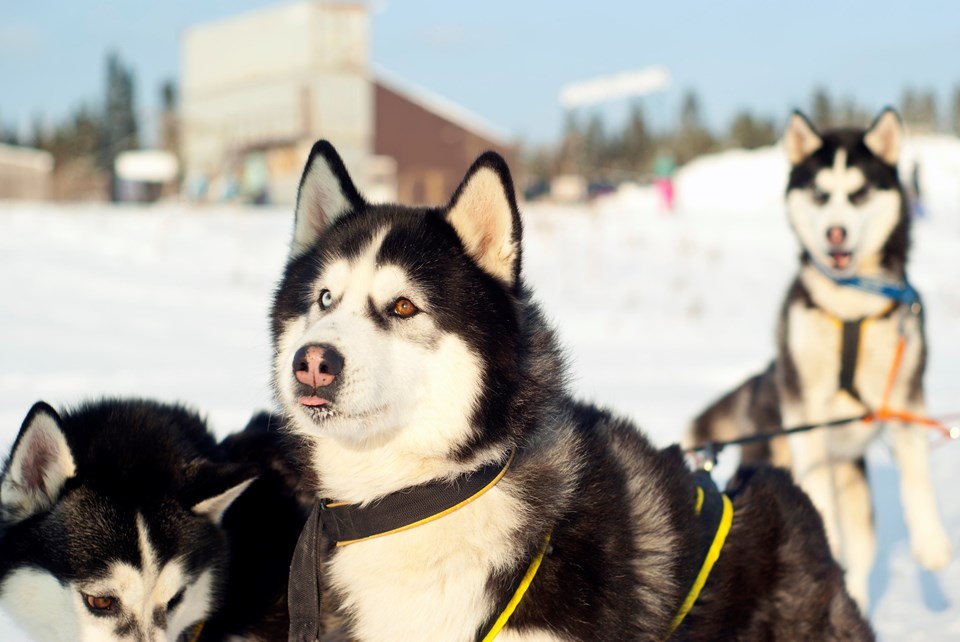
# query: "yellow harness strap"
{"points": [[713, 554], [194, 635], [433, 516], [518, 594]]}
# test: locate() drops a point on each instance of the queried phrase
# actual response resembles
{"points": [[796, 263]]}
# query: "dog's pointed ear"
{"points": [[801, 138], [484, 213], [214, 487], [884, 136], [326, 192], [40, 464]]}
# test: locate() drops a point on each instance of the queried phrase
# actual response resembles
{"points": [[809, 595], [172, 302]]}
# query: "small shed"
{"points": [[25, 173]]}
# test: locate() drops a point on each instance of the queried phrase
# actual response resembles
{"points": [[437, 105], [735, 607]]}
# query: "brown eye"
{"points": [[860, 196], [100, 603], [404, 308]]}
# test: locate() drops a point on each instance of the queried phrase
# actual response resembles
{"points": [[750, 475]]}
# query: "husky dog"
{"points": [[119, 521], [837, 345], [411, 360]]}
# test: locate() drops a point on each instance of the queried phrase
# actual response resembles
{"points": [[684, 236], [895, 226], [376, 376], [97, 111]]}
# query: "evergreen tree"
{"points": [[909, 107], [821, 108], [169, 138], [692, 139], [569, 157], [38, 134], [637, 144], [119, 131], [956, 111], [928, 111], [595, 151], [850, 114], [749, 132], [8, 134]]}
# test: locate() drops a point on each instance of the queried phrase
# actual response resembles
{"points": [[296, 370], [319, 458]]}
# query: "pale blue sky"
{"points": [[507, 60]]}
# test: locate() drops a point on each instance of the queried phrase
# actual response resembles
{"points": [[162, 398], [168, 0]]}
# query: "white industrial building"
{"points": [[259, 88]]}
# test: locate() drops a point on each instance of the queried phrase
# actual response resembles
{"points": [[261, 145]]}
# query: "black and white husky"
{"points": [[411, 360], [837, 339], [120, 520]]}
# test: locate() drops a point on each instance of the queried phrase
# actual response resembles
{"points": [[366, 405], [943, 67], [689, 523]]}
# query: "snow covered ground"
{"points": [[660, 314]]}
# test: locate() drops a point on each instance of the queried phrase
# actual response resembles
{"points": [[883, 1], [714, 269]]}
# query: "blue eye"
{"points": [[820, 197], [325, 299]]}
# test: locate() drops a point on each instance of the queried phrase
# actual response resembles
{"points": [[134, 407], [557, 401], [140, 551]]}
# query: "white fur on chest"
{"points": [[815, 343], [429, 583]]}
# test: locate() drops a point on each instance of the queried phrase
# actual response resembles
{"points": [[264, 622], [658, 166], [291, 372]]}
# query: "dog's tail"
{"points": [[750, 408]]}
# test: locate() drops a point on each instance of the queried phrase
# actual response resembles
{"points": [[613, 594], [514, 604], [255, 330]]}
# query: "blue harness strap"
{"points": [[899, 291]]}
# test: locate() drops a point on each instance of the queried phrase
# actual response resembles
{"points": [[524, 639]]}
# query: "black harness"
{"points": [[714, 513], [849, 349], [333, 524]]}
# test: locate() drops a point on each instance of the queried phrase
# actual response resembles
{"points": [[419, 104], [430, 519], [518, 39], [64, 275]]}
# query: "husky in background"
{"points": [[121, 520], [836, 345], [409, 357]]}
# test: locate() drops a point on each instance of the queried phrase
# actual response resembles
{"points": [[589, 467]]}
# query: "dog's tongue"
{"points": [[312, 400]]}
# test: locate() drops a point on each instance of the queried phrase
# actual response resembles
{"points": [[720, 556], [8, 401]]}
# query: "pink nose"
{"points": [[837, 234], [317, 365]]}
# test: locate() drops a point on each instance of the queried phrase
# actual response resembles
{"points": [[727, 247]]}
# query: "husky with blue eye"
{"points": [[125, 520], [462, 493], [843, 318]]}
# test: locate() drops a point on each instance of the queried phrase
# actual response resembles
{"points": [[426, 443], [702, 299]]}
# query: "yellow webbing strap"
{"points": [[712, 555], [518, 594], [493, 482], [195, 633]]}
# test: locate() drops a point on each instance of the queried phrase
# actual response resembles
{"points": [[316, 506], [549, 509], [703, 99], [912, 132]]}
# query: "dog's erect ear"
{"points": [[325, 193], [884, 136], [484, 213], [39, 465], [215, 487], [800, 139]]}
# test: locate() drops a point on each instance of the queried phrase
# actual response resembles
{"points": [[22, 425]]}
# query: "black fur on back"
{"points": [[262, 526]]}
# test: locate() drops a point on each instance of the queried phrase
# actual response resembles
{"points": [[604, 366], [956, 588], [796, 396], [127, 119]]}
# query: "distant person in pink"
{"points": [[663, 168]]}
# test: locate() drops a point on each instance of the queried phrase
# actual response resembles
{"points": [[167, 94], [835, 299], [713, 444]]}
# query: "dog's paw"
{"points": [[932, 549]]}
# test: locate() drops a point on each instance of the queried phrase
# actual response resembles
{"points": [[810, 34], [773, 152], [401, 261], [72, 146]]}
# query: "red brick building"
{"points": [[431, 140]]}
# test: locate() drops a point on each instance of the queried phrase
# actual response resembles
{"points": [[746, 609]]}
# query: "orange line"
{"points": [[894, 370]]}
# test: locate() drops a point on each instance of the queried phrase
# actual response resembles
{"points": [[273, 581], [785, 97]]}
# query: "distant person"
{"points": [[663, 168], [916, 202]]}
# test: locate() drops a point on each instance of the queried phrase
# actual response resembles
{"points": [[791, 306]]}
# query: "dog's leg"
{"points": [[928, 538], [857, 535], [813, 472], [780, 453]]}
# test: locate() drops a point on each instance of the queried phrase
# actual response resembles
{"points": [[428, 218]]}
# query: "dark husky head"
{"points": [[844, 197], [398, 324], [109, 522]]}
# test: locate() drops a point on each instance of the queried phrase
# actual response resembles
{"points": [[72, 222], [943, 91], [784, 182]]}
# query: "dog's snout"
{"points": [[836, 234], [317, 365]]}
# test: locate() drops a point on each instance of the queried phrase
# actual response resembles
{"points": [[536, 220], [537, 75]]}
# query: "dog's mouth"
{"points": [[317, 402], [312, 401], [318, 412], [840, 259]]}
